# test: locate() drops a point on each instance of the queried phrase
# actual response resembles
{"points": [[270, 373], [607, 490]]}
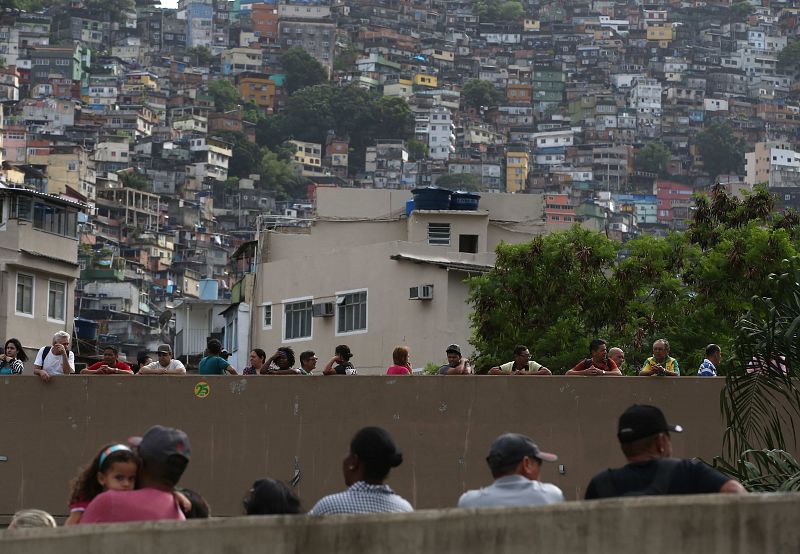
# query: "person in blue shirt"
{"points": [[713, 358], [214, 364]]}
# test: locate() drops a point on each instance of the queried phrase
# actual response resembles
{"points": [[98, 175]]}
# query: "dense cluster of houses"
{"points": [[579, 87]]}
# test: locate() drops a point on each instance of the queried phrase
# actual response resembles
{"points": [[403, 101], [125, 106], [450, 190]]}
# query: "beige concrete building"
{"points": [[366, 275], [39, 265]]}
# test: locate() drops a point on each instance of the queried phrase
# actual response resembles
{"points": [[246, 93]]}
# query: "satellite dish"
{"points": [[164, 318]]}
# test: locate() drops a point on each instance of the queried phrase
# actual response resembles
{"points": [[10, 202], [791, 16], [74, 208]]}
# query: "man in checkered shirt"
{"points": [[372, 454]]}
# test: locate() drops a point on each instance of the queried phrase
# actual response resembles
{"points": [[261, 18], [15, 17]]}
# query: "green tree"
{"points": [[201, 56], [789, 57], [459, 181], [226, 97], [345, 58], [688, 287], [722, 152], [246, 158], [302, 70], [498, 10], [653, 158], [134, 180], [477, 93], [278, 174], [417, 150]]}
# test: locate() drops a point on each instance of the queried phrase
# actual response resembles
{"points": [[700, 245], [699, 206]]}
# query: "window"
{"points": [[24, 294], [231, 334], [57, 300], [351, 312], [297, 320], [266, 318], [468, 243], [439, 234]]}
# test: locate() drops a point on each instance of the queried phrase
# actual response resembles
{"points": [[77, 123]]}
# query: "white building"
{"points": [[366, 275], [435, 128]]}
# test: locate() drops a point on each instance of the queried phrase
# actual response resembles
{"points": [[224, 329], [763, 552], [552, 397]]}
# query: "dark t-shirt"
{"points": [[688, 477], [341, 369]]}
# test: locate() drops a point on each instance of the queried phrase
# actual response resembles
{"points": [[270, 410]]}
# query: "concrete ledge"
{"points": [[754, 524]]}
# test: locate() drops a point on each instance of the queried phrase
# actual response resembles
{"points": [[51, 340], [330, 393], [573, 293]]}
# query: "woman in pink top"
{"points": [[401, 364]]}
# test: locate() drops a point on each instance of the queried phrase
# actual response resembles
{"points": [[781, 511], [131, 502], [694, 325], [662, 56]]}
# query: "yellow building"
{"points": [[425, 80], [660, 33], [531, 24], [308, 158], [516, 171], [258, 89]]}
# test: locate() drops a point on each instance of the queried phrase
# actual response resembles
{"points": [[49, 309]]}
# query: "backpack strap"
{"points": [[45, 353]]}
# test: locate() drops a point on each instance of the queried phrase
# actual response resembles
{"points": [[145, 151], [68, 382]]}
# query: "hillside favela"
{"points": [[400, 276]]}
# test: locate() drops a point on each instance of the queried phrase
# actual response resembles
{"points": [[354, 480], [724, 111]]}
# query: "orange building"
{"points": [[257, 88], [519, 93], [265, 22], [558, 210]]}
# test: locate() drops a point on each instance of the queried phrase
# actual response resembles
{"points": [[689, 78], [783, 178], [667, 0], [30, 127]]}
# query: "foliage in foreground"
{"points": [[761, 407]]}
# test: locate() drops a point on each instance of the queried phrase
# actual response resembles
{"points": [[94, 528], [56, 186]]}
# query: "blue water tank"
{"points": [[461, 200], [209, 289], [86, 329], [409, 206], [431, 198]]}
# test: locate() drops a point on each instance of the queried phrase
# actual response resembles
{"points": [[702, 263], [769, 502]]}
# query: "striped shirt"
{"points": [[362, 498]]}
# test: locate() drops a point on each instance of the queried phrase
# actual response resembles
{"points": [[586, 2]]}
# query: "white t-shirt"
{"points": [[173, 365], [53, 364]]}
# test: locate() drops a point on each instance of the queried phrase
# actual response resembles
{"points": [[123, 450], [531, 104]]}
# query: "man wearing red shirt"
{"points": [[598, 364], [110, 364]]}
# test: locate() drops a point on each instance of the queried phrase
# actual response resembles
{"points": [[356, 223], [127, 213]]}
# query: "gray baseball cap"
{"points": [[159, 443], [510, 448]]}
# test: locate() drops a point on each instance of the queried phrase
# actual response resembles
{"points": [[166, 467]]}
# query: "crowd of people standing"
{"points": [[58, 359]]}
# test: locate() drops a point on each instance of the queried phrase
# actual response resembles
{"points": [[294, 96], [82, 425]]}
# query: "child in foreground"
{"points": [[114, 468]]}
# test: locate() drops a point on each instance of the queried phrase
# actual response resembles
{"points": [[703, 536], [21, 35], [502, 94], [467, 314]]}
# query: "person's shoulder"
{"points": [[506, 366], [444, 369], [469, 498], [331, 504], [402, 504]]}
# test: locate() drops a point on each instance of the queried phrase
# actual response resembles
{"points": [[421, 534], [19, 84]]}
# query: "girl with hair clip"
{"points": [[114, 468]]}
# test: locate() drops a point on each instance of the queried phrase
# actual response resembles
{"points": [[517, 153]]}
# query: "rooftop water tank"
{"points": [[431, 198], [461, 200]]}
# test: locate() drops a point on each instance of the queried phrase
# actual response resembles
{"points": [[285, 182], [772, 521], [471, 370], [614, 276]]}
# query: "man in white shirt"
{"points": [[165, 365], [57, 359], [515, 462]]}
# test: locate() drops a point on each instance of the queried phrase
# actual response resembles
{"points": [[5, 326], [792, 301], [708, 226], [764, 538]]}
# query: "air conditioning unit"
{"points": [[421, 292], [323, 309]]}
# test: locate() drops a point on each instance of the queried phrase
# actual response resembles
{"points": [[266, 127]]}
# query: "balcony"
{"points": [[103, 275]]}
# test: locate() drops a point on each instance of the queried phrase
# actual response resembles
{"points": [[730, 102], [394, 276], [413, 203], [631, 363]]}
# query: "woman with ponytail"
{"points": [[372, 455]]}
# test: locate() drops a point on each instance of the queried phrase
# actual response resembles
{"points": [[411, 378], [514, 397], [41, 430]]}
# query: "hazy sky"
{"points": [[169, 3]]}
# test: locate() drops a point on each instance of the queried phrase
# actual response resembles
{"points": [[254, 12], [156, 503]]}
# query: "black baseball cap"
{"points": [[454, 348], [640, 421], [159, 443], [510, 448]]}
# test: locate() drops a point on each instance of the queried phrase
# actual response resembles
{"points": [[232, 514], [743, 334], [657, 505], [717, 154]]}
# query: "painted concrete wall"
{"points": [[253, 427], [764, 524]]}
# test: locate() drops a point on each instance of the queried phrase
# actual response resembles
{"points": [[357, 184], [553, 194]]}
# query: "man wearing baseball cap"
{"points": [[164, 453], [165, 365], [515, 462], [643, 434], [456, 363]]}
